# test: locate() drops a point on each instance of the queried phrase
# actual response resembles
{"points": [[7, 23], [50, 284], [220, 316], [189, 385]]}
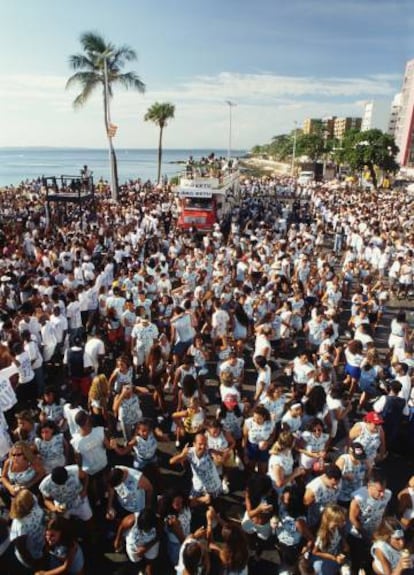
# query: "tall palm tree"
{"points": [[100, 65], [159, 114]]}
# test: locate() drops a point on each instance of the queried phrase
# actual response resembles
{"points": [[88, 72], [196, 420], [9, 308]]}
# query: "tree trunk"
{"points": [[114, 163], [159, 155], [112, 155], [373, 174]]}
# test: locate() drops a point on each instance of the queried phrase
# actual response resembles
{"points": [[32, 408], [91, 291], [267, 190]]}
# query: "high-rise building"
{"points": [[312, 126], [404, 127], [376, 115], [394, 114], [343, 125]]}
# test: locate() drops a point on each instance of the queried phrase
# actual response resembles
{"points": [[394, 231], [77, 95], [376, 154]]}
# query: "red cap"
{"points": [[373, 417]]}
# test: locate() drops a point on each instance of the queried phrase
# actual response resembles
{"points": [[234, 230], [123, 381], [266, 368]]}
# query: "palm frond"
{"points": [[123, 54], [78, 61], [84, 79], [129, 80], [88, 81], [93, 42]]}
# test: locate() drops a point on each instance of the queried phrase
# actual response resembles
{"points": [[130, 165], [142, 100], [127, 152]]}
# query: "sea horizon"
{"points": [[21, 163]]}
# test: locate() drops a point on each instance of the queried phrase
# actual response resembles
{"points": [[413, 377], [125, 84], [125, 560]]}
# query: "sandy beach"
{"points": [[266, 165]]}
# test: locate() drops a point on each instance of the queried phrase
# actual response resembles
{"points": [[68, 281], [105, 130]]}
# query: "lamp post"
{"points": [[292, 168], [109, 132], [230, 105]]}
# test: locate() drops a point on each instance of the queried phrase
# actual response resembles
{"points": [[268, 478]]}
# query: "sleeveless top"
{"points": [[137, 537], [22, 478], [392, 555], [348, 486], [218, 443], [130, 410], [52, 451], [130, 495], [258, 432], [323, 496], [409, 513], [233, 423], [283, 460], [371, 510], [145, 449], [286, 530], [369, 441]]}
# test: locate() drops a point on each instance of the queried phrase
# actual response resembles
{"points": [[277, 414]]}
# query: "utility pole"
{"points": [[292, 168], [230, 105]]}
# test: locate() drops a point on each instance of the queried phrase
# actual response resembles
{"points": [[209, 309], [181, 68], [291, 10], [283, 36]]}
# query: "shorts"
{"points": [[255, 454], [181, 347], [353, 371]]}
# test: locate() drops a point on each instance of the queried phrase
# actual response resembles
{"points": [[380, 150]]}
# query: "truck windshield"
{"points": [[198, 203]]}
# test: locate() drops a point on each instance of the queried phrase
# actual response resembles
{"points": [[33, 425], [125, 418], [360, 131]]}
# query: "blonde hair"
{"points": [[22, 504], [285, 440], [26, 448], [226, 378], [99, 388], [332, 514], [386, 529]]}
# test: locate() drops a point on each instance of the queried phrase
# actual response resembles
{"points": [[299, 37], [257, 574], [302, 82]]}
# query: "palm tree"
{"points": [[159, 114], [100, 64]]}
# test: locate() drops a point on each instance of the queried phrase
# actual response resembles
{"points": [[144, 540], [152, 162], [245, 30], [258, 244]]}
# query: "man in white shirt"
{"points": [[90, 445], [95, 349], [60, 324], [49, 339]]}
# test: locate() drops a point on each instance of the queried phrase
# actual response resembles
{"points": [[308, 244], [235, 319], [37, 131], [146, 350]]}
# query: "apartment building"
{"points": [[343, 125], [404, 125]]}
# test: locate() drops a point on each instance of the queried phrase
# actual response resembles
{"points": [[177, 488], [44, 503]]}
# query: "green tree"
{"points": [[311, 145], [100, 65], [371, 149], [281, 147], [160, 114]]}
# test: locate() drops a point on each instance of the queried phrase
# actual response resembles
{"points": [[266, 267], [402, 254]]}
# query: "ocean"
{"points": [[20, 164]]}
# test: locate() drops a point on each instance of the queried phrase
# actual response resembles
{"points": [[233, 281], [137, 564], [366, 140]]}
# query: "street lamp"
{"points": [[292, 168], [230, 105], [109, 132]]}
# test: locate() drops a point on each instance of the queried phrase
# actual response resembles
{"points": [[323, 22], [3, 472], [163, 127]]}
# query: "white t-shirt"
{"points": [[92, 450], [95, 348], [7, 396]]}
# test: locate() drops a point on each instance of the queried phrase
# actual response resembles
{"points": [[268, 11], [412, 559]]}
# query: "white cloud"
{"points": [[37, 110]]}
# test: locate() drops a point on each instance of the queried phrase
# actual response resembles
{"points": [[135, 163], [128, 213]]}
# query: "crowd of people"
{"points": [[196, 400]]}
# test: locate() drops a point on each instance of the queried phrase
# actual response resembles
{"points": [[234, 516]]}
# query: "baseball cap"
{"points": [[357, 451], [373, 417]]}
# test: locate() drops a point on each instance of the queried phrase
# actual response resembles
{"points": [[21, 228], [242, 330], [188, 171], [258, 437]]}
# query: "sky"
{"points": [[278, 61]]}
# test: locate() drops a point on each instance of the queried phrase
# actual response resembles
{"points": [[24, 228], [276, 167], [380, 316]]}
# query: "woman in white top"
{"points": [[281, 463], [387, 549], [141, 537], [313, 444], [406, 504], [399, 332], [354, 358]]}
